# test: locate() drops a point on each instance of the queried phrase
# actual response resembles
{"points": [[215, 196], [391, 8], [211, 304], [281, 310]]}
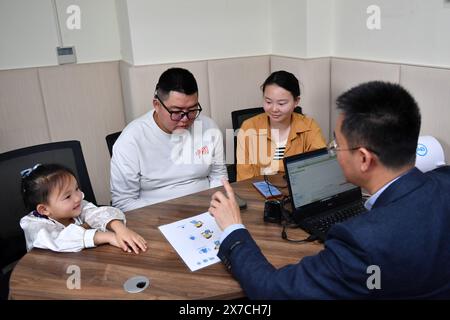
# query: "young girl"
{"points": [[60, 220], [264, 140]]}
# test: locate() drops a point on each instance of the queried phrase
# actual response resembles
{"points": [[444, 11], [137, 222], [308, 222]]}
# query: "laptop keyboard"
{"points": [[324, 223]]}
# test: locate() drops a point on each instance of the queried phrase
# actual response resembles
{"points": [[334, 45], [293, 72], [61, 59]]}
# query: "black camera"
{"points": [[272, 211]]}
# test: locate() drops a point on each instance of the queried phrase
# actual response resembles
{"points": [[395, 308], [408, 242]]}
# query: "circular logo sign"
{"points": [[421, 150]]}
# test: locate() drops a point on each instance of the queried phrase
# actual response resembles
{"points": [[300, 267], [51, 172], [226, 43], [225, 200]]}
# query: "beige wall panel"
{"points": [[235, 84], [139, 85], [431, 89], [346, 74], [84, 102], [314, 78], [22, 114]]}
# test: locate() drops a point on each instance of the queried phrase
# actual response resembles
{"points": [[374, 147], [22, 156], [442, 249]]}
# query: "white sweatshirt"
{"points": [[149, 165]]}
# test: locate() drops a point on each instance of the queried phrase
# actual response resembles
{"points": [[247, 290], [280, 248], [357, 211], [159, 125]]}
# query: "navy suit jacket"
{"points": [[406, 235]]}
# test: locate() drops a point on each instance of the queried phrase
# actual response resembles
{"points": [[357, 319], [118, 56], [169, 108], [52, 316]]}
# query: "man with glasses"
{"points": [[398, 249], [169, 152]]}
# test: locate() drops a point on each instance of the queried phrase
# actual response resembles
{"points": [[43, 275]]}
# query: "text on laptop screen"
{"points": [[316, 179]]}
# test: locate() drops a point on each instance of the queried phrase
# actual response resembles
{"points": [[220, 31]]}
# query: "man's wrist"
{"points": [[226, 232]]}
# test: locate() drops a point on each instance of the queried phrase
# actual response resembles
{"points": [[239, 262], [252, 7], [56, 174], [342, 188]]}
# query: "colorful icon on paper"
{"points": [[197, 223], [207, 233]]}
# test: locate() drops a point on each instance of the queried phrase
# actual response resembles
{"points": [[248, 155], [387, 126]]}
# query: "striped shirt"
{"points": [[279, 152]]}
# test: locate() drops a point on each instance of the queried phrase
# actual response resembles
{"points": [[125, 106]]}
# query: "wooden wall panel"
{"points": [[314, 78], [346, 74], [84, 102], [235, 84], [23, 121], [139, 85], [431, 89]]}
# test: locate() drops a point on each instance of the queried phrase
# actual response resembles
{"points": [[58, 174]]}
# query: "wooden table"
{"points": [[43, 274]]}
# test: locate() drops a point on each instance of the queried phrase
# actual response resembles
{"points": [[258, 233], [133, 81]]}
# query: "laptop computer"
{"points": [[320, 194]]}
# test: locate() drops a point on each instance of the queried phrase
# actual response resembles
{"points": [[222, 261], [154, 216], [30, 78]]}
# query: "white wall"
{"points": [[144, 32], [98, 38], [288, 27], [126, 47], [302, 28], [168, 31], [320, 22], [28, 32], [412, 31]]}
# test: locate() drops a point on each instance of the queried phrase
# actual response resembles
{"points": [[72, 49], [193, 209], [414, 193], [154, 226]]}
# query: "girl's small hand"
{"points": [[129, 240], [112, 240], [106, 237]]}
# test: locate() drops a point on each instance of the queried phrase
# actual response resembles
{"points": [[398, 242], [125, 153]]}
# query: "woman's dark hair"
{"points": [[382, 117], [176, 79], [40, 182], [285, 80]]}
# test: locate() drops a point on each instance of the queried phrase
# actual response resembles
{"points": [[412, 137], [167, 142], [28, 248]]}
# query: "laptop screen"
{"points": [[315, 177]]}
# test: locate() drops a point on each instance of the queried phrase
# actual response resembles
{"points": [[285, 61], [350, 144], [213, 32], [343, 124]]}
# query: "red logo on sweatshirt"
{"points": [[201, 151]]}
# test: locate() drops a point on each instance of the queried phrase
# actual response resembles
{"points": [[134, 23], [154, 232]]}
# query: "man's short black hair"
{"points": [[384, 118], [176, 79]]}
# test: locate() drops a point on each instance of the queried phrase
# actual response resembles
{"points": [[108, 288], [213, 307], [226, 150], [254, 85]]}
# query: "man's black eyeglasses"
{"points": [[333, 148], [178, 115]]}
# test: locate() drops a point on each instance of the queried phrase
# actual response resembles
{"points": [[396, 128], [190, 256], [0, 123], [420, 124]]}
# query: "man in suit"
{"points": [[397, 249]]}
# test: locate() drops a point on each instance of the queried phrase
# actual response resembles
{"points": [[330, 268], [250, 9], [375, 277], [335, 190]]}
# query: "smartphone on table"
{"points": [[268, 190]]}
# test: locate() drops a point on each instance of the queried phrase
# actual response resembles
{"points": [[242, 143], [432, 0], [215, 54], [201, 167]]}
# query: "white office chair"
{"points": [[429, 154]]}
